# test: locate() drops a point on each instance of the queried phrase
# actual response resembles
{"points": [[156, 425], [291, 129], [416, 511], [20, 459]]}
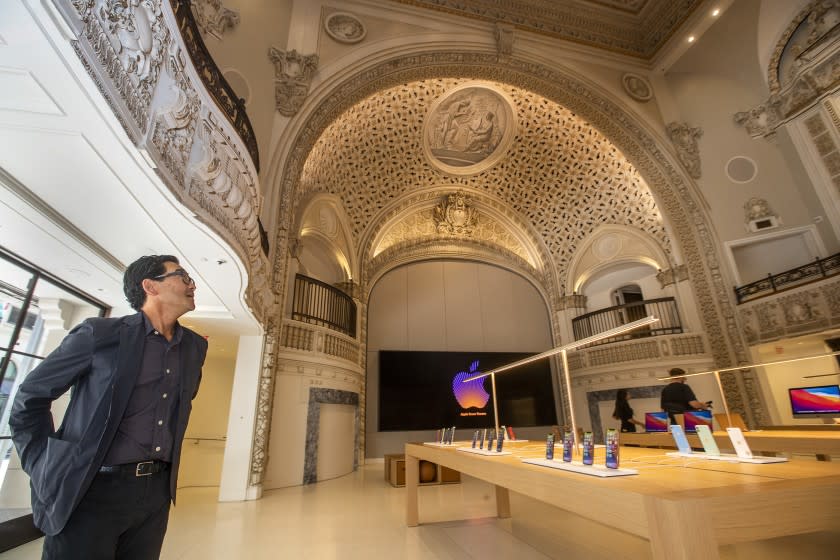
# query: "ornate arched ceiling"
{"points": [[560, 174]]}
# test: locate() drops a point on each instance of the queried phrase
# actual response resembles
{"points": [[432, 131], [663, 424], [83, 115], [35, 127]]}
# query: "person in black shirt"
{"points": [[677, 396], [624, 413]]}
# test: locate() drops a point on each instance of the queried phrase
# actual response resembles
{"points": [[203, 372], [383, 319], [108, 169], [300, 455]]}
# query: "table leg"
{"points": [[680, 530], [502, 502], [412, 479]]}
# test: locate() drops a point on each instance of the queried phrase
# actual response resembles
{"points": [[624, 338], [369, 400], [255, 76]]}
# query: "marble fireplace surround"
{"points": [[313, 421]]}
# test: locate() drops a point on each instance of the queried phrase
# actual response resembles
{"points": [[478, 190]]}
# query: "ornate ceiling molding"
{"points": [[638, 28]]}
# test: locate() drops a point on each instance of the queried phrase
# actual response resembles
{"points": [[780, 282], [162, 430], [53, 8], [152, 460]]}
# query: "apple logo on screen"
{"points": [[470, 394]]}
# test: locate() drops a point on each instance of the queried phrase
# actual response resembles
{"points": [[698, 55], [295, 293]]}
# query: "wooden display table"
{"points": [[822, 443], [686, 508]]}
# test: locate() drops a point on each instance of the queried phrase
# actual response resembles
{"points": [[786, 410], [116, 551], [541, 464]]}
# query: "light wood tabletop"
{"points": [[685, 507], [820, 443]]}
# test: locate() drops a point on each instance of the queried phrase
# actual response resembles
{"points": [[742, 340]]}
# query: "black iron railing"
{"points": [[321, 304], [811, 272], [665, 309], [223, 94]]}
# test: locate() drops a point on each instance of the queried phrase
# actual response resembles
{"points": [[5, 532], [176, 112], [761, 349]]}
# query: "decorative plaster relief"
{"points": [[637, 87], [684, 139], [469, 129], [795, 312], [804, 68], [757, 208], [292, 77], [213, 18], [454, 216], [345, 28]]}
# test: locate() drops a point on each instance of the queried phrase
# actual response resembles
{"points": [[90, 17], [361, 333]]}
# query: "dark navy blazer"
{"points": [[99, 360]]}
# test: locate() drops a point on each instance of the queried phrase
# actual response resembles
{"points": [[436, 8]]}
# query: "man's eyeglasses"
{"points": [[185, 277]]}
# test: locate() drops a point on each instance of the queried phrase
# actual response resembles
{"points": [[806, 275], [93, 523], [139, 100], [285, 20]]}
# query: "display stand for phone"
{"points": [[483, 451], [591, 470]]}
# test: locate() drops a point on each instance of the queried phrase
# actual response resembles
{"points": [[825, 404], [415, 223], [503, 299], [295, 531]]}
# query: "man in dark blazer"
{"points": [[102, 483]]}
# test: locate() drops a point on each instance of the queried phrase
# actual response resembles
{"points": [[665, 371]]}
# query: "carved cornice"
{"points": [[637, 28]]}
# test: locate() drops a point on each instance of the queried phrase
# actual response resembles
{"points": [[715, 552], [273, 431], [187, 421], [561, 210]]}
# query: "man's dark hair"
{"points": [[676, 372], [144, 267]]}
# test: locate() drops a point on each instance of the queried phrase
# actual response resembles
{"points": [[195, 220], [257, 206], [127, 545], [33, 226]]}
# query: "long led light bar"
{"points": [[571, 346], [737, 368]]}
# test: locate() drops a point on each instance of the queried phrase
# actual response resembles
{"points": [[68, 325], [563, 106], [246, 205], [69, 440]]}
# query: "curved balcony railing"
{"points": [[611, 317], [811, 272], [211, 76], [319, 303]]}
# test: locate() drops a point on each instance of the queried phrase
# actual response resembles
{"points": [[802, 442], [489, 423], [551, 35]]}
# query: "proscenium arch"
{"points": [[669, 184], [666, 180]]}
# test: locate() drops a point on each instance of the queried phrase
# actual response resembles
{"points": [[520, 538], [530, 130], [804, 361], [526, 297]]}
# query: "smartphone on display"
{"points": [[588, 448], [612, 448], [451, 435], [501, 441], [475, 439], [510, 433], [504, 431], [742, 449], [708, 440], [549, 447], [568, 446], [680, 439], [483, 437]]}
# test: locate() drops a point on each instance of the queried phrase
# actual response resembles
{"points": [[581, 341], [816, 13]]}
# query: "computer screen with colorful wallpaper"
{"points": [[815, 402], [425, 391]]}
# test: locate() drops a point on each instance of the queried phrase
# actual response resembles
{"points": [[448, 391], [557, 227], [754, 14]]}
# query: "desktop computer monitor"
{"points": [[694, 417], [656, 421]]}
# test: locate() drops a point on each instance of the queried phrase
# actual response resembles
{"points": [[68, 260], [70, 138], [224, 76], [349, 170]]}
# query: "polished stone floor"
{"points": [[360, 516]]}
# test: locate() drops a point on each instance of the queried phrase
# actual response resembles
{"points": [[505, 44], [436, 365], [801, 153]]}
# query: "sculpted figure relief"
{"points": [[467, 128]]}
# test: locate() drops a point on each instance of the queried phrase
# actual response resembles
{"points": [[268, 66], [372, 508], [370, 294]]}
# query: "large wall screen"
{"points": [[423, 391]]}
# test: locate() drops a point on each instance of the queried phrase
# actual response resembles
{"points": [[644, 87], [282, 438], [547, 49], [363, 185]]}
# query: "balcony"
{"points": [[317, 303], [774, 283], [611, 317]]}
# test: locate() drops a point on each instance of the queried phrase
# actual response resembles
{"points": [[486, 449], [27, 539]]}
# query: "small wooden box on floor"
{"points": [[430, 473]]}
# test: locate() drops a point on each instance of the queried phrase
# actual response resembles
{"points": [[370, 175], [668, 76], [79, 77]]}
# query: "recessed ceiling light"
{"points": [[691, 39], [716, 12]]}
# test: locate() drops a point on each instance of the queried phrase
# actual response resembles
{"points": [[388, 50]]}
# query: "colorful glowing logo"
{"points": [[470, 394]]}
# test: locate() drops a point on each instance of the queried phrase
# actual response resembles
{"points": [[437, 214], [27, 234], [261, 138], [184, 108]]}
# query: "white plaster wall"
{"points": [[240, 422], [447, 306], [203, 449]]}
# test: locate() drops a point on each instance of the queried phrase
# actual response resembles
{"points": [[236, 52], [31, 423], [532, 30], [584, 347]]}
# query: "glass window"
{"points": [[36, 312]]}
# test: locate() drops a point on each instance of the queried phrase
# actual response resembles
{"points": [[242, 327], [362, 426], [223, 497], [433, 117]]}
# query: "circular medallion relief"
{"points": [[344, 27], [637, 87], [607, 247], [469, 129]]}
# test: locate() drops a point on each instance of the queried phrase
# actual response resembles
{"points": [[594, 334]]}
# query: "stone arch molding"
{"points": [[418, 222], [322, 217], [609, 245], [674, 190]]}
